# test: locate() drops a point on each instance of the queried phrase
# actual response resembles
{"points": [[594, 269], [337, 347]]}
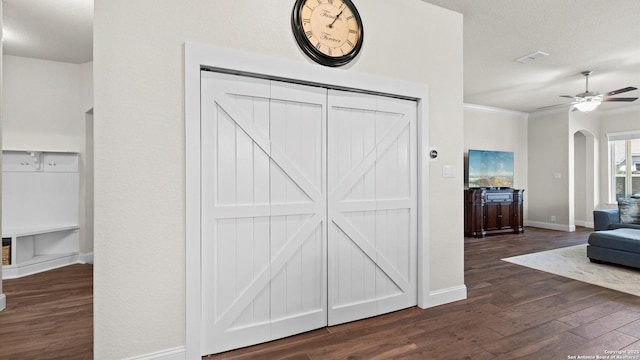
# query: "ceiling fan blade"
{"points": [[627, 99], [568, 96], [620, 91]]}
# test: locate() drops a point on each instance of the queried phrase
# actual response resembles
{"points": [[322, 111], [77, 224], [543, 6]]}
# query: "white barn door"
{"points": [[372, 205], [263, 211], [308, 211]]}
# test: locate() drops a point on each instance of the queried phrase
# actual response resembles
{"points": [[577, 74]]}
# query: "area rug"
{"points": [[572, 262]]}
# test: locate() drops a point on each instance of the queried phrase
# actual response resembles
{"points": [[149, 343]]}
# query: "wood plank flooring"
{"points": [[512, 312], [49, 315]]}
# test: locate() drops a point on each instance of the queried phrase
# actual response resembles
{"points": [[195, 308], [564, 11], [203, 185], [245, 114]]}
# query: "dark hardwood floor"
{"points": [[49, 315], [512, 312]]}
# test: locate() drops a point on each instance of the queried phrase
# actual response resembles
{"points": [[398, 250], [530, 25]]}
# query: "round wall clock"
{"points": [[329, 31]]}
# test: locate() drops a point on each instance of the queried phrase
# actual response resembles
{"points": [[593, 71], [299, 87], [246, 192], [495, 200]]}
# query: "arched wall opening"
{"points": [[584, 178]]}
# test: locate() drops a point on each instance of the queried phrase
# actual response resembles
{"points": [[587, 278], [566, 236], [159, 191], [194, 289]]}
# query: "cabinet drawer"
{"points": [[60, 162], [21, 161], [499, 197]]}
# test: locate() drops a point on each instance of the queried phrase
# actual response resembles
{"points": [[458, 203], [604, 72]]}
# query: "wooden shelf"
{"points": [[19, 232], [40, 210]]}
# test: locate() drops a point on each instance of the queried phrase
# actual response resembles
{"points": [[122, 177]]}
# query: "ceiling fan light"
{"points": [[588, 105]]}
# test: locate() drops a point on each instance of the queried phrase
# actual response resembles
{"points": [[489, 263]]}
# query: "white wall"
{"points": [[573, 195], [139, 142], [552, 149], [502, 130], [584, 167], [548, 144], [42, 105], [44, 109], [86, 160], [86, 86], [2, 296], [580, 177]]}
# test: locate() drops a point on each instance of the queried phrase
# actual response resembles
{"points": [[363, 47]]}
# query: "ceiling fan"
{"points": [[589, 100]]}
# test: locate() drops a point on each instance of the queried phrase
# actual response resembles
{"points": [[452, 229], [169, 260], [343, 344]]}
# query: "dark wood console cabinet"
{"points": [[492, 211]]}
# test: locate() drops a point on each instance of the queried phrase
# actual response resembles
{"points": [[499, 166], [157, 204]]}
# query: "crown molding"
{"points": [[493, 109], [548, 112], [623, 110]]}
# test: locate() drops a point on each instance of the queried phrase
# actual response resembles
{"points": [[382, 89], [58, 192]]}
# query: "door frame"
{"points": [[198, 57]]}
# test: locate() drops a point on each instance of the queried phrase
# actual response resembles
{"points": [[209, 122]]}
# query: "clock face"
{"points": [[328, 31]]}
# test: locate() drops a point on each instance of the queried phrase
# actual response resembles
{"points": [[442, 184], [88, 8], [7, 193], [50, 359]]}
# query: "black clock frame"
{"points": [[310, 50]]}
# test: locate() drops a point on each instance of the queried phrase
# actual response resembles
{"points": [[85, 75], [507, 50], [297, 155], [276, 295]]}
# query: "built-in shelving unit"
{"points": [[40, 210]]}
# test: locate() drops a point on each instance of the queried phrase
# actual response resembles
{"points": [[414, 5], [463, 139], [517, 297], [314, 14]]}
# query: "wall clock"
{"points": [[328, 31]]}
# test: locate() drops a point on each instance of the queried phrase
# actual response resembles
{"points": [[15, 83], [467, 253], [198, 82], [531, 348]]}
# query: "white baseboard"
{"points": [[86, 258], [39, 264], [588, 224], [551, 226], [18, 271], [177, 353], [444, 296], [3, 302]]}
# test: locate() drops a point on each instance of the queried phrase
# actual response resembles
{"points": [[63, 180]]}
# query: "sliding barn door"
{"points": [[372, 205], [263, 237], [308, 208]]}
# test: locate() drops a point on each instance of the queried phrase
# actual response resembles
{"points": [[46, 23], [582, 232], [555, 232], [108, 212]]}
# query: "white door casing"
{"points": [[205, 56], [264, 253]]}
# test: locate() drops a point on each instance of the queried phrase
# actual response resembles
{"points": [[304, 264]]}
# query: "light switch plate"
{"points": [[448, 171]]}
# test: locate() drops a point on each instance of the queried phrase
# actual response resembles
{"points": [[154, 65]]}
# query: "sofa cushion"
{"points": [[604, 218], [619, 239], [629, 210], [626, 226]]}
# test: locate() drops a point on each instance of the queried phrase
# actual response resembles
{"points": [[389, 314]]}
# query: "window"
{"points": [[625, 165]]}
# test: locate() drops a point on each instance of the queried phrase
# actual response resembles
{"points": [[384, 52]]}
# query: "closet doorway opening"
{"points": [[310, 216]]}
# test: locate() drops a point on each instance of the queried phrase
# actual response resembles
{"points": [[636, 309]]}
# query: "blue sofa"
{"points": [[609, 219], [614, 241]]}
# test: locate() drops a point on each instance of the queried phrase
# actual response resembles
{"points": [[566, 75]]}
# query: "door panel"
{"points": [[505, 216], [372, 205], [301, 229], [263, 211]]}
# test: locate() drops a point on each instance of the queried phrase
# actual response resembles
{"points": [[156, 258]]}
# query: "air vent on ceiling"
{"points": [[533, 56]]}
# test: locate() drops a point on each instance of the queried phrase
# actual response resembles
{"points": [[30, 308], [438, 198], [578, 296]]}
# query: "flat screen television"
{"points": [[490, 169]]}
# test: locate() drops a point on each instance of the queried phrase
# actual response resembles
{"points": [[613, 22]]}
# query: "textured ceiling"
{"points": [[603, 36], [58, 30], [598, 35]]}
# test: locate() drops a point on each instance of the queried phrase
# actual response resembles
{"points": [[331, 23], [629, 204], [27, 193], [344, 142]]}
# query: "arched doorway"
{"points": [[584, 178]]}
